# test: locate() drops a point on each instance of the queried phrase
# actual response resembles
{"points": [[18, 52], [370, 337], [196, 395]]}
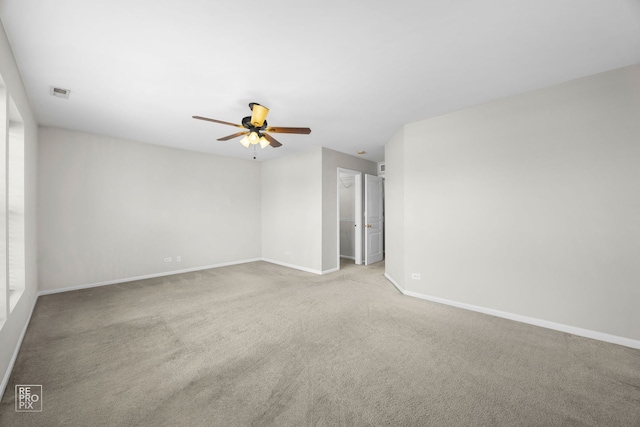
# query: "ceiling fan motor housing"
{"points": [[246, 122]]}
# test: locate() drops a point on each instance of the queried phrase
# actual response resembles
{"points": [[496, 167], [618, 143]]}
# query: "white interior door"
{"points": [[373, 219]]}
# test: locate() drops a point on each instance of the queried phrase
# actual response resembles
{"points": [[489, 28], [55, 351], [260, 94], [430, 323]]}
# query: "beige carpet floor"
{"points": [[259, 344]]}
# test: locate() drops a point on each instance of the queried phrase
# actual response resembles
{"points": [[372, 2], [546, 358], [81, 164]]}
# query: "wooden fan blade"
{"points": [[272, 141], [275, 129], [217, 121], [235, 135]]}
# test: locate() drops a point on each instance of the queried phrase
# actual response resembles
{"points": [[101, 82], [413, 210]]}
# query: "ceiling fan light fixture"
{"points": [[245, 142], [263, 142], [258, 114], [254, 138]]}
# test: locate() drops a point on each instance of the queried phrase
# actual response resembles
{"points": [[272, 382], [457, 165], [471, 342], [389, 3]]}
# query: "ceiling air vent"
{"points": [[59, 92]]}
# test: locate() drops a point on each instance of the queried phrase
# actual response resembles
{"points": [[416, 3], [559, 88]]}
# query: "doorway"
{"points": [[349, 215], [360, 217]]}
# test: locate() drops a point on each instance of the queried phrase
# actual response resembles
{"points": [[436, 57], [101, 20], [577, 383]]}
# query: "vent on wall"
{"points": [[59, 92]]}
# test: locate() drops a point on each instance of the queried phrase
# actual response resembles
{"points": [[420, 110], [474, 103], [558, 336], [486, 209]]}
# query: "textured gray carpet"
{"points": [[259, 344]]}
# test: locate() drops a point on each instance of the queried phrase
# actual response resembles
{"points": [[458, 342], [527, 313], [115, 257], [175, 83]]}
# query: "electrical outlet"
{"points": [[168, 259], [415, 276], [178, 258]]}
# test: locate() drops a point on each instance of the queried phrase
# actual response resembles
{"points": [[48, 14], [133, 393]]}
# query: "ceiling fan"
{"points": [[256, 128]]}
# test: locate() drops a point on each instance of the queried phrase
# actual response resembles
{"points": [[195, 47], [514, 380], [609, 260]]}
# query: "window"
{"points": [[4, 133], [12, 215], [15, 206]]}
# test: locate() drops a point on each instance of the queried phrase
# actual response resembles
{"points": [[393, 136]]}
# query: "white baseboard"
{"points": [[614, 339], [295, 267], [186, 270], [148, 276], [600, 336], [394, 283], [348, 257], [7, 374]]}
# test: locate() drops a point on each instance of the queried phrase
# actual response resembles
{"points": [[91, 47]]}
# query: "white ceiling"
{"points": [[353, 71]]}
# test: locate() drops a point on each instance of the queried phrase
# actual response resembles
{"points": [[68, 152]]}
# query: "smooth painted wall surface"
{"points": [[111, 209], [17, 321], [331, 161], [529, 205], [394, 206], [292, 210]]}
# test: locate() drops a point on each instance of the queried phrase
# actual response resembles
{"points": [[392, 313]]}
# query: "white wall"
{"points": [[11, 331], [111, 209], [394, 206], [331, 161], [529, 205], [300, 208], [292, 210]]}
